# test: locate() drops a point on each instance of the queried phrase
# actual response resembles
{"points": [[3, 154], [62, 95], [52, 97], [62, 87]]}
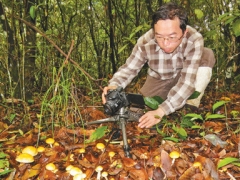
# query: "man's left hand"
{"points": [[151, 118]]}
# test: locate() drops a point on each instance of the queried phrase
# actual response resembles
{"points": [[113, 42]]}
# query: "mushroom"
{"points": [[98, 170], [111, 154], [82, 151], [50, 141], [224, 169], [69, 167], [56, 144], [105, 174], [198, 165], [51, 167], [79, 176], [30, 150], [25, 158], [174, 155], [71, 157], [75, 170], [40, 149], [101, 147]]}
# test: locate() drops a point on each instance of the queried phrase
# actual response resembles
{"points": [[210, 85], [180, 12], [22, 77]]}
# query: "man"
{"points": [[178, 64]]}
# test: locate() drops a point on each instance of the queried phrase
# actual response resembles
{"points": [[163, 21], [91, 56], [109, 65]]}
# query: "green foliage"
{"points": [[180, 132], [4, 164], [32, 12], [194, 95], [228, 160], [153, 102], [236, 27], [218, 104], [199, 13], [98, 134], [215, 116], [189, 120]]}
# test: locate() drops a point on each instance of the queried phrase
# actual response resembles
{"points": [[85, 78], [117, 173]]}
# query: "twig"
{"points": [[61, 68]]}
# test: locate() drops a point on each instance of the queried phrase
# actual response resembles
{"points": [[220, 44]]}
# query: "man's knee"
{"points": [[208, 58]]}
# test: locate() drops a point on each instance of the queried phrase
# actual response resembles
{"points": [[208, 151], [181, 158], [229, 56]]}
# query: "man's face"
{"points": [[168, 34]]}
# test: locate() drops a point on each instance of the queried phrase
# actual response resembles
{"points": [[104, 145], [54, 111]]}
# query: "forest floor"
{"points": [[208, 143]]}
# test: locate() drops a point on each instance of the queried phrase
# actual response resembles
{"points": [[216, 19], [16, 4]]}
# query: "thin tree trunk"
{"points": [[10, 67], [114, 68]]}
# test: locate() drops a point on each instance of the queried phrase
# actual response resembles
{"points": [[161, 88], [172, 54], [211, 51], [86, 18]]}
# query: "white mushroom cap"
{"points": [[75, 170]]}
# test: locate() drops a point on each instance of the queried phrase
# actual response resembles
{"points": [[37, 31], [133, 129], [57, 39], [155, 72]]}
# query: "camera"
{"points": [[115, 100]]}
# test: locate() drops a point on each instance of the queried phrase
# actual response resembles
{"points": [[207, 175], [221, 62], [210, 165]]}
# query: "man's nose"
{"points": [[166, 41]]}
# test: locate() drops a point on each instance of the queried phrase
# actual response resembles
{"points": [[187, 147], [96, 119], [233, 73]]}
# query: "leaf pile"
{"points": [[201, 154]]}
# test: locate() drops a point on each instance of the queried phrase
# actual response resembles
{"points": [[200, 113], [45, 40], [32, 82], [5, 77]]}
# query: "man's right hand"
{"points": [[105, 90]]}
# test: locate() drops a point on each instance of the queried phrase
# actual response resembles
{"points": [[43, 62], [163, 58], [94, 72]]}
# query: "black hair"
{"points": [[170, 11]]}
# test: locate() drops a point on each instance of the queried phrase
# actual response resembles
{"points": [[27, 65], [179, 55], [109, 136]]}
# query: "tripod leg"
{"points": [[111, 119], [126, 147]]}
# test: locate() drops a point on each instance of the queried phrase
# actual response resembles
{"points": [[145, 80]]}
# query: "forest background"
{"points": [[56, 56], [73, 47]]}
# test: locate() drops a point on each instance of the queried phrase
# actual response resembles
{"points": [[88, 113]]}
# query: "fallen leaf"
{"points": [[166, 161]]}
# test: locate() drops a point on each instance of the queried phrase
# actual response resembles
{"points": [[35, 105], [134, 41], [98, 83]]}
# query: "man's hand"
{"points": [[151, 118], [105, 90]]}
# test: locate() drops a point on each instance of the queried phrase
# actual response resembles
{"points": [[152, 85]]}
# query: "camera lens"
{"points": [[108, 109]]}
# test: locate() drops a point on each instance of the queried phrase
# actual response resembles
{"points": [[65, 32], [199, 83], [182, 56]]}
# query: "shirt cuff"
{"points": [[167, 107]]}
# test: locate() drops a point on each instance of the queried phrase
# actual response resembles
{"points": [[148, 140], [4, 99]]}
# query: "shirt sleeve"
{"points": [[133, 64], [178, 95]]}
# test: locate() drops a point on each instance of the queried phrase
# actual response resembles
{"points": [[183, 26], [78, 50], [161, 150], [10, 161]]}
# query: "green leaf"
{"points": [[4, 163], [236, 164], [160, 131], [12, 116], [194, 116], [137, 29], [194, 95], [186, 122], [151, 102], [2, 155], [225, 161], [180, 131], [5, 172], [32, 12], [171, 139], [158, 99], [122, 48], [215, 116], [99, 133], [198, 13], [234, 113], [236, 27], [218, 104], [230, 19]]}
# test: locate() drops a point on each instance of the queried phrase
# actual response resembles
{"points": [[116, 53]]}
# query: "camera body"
{"points": [[115, 100]]}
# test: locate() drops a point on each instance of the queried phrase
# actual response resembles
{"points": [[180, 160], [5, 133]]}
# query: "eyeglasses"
{"points": [[169, 39]]}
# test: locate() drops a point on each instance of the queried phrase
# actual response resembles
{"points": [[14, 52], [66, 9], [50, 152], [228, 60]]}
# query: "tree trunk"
{"points": [[29, 56], [10, 67], [114, 68]]}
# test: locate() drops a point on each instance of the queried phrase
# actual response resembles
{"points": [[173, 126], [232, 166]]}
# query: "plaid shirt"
{"points": [[186, 58]]}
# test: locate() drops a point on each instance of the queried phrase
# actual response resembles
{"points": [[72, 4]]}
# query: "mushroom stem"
{"points": [[230, 175], [98, 170], [99, 175]]}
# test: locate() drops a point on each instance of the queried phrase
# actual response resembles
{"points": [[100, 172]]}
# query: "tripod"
{"points": [[123, 116]]}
